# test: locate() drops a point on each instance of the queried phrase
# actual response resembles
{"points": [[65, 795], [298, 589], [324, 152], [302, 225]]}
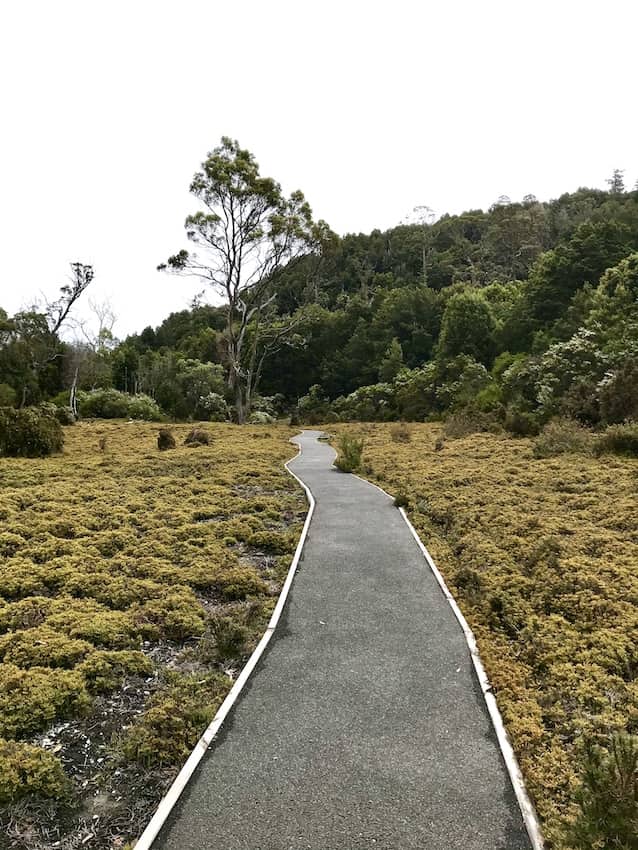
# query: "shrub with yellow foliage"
{"points": [[118, 564]]}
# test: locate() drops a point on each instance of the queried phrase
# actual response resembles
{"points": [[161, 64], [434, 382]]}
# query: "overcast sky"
{"points": [[370, 108]]}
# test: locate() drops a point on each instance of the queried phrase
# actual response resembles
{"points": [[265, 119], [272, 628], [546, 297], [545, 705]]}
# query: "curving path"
{"points": [[363, 725]]}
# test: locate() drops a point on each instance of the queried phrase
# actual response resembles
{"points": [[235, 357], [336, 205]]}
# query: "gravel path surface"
{"points": [[363, 725]]}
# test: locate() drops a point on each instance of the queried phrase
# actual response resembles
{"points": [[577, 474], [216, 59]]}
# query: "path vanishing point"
{"points": [[363, 725]]}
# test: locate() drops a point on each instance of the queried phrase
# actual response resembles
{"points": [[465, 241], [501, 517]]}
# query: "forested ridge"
{"points": [[525, 311]]}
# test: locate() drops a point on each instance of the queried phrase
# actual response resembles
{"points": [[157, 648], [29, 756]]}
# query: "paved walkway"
{"points": [[363, 725]]}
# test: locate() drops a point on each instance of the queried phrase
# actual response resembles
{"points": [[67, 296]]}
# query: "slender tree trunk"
{"points": [[73, 399], [240, 403]]}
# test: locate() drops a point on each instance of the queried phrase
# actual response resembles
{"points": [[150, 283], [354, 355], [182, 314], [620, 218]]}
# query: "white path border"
{"points": [[167, 803], [530, 818]]}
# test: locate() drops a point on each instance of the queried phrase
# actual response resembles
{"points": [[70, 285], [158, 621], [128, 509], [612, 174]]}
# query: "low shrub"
{"points": [[618, 439], [197, 437], [105, 670], [562, 436], [42, 647], [521, 423], [238, 583], [176, 717], [350, 451], [400, 433], [608, 796], [401, 500], [165, 439], [270, 541], [26, 769], [29, 432], [32, 699], [231, 637], [175, 616]]}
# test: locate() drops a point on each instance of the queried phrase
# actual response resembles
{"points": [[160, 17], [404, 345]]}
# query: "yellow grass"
{"points": [[124, 566], [543, 558]]}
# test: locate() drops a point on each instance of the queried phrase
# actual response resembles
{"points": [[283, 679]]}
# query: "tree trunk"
{"points": [[241, 407], [73, 399]]}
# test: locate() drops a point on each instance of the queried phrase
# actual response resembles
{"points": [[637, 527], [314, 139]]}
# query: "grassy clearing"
{"points": [[134, 584], [542, 554]]}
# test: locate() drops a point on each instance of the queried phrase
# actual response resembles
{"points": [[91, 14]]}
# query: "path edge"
{"points": [[167, 803], [528, 811]]}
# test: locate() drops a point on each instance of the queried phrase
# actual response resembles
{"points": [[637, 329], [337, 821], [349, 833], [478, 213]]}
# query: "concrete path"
{"points": [[363, 725]]}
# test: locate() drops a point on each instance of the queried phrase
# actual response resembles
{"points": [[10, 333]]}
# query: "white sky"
{"points": [[370, 108]]}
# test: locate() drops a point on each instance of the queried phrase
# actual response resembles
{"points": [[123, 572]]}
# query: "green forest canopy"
{"points": [[524, 311]]}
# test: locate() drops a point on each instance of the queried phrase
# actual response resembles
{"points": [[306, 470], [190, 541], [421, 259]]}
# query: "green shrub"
{"points": [[177, 716], [103, 404], [29, 432], [350, 451], [401, 500], [231, 638], [212, 407], [561, 436], [260, 417], [608, 797], [61, 399], [521, 423], [7, 396], [64, 415], [113, 404], [26, 769], [314, 407], [143, 407], [618, 439], [618, 393]]}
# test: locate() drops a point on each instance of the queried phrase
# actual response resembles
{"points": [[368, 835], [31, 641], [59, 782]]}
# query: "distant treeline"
{"points": [[522, 312]]}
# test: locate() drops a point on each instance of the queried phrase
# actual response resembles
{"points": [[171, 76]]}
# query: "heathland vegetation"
{"points": [[137, 572], [133, 585], [540, 550]]}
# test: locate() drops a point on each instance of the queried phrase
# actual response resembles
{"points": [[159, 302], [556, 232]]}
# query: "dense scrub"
{"points": [[134, 583], [30, 432], [541, 552]]}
